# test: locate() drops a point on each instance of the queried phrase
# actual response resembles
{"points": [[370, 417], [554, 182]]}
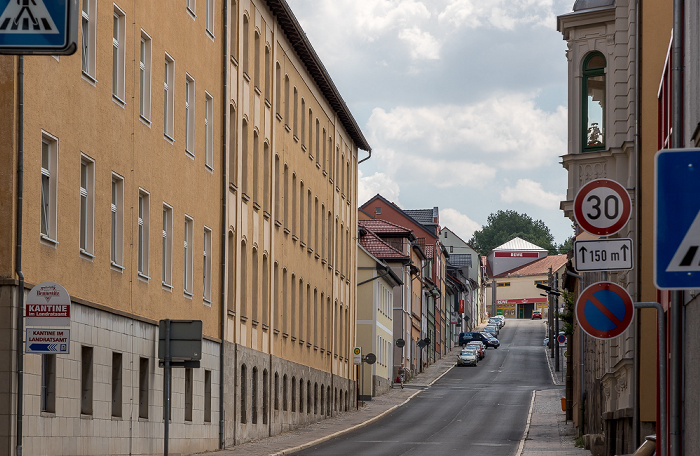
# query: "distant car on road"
{"points": [[481, 348], [496, 321], [468, 357], [493, 329], [487, 339], [536, 315]]}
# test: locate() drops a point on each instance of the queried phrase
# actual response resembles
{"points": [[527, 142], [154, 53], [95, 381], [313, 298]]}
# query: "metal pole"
{"points": [[166, 389], [661, 320], [18, 260], [550, 314]]}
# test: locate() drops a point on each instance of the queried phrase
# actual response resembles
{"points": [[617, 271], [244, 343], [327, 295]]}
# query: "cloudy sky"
{"points": [[462, 101]]}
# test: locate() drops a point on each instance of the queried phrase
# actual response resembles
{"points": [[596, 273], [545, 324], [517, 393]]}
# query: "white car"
{"points": [[468, 357], [493, 329]]}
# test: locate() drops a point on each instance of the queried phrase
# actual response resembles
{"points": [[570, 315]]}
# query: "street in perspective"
{"points": [[349, 227]]}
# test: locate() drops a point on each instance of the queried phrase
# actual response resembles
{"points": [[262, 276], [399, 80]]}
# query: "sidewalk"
{"points": [[546, 432]]}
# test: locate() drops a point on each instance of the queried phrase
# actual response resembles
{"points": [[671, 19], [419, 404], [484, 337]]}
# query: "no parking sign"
{"points": [[604, 310]]}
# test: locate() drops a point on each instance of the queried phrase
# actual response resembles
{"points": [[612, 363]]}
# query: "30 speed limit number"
{"points": [[602, 207]]}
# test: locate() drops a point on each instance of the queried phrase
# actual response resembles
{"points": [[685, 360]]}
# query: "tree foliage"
{"points": [[503, 226]]}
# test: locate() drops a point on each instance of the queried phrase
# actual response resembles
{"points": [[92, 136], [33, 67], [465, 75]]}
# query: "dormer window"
{"points": [[593, 103]]}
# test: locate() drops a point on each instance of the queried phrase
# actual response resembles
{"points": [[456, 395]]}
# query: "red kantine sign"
{"points": [[48, 304], [516, 254]]}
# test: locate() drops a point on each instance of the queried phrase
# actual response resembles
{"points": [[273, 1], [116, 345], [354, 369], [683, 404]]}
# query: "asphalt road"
{"points": [[478, 410]]}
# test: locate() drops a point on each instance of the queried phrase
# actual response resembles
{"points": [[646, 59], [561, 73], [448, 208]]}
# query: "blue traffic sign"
{"points": [[47, 341], [677, 219], [604, 310], [38, 26]]}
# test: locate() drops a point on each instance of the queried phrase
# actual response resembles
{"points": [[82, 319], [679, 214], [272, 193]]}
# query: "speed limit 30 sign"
{"points": [[602, 207]]}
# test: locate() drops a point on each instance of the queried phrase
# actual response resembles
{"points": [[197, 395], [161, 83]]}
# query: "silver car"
{"points": [[467, 357]]}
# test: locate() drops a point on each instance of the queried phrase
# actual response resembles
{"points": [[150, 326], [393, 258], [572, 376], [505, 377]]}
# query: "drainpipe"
{"points": [[18, 264], [661, 435], [676, 368], [637, 191], [367, 157], [224, 232]]}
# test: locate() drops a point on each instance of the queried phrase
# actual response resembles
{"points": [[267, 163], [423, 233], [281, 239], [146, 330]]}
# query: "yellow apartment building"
{"points": [[204, 146]]}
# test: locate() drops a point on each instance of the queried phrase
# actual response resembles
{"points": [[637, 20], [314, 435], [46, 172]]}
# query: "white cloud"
{"points": [[499, 14], [422, 45], [458, 223], [531, 192], [504, 131], [380, 183]]}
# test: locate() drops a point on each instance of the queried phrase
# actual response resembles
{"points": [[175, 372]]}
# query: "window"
{"points": [[245, 45], [256, 60], [117, 225], [167, 260], [192, 7], [502, 284], [144, 231], [268, 78], [296, 113], [89, 34], [169, 97], [244, 157], [143, 388], [254, 396], [188, 247], [208, 130], [189, 393], [86, 381], [244, 394], [116, 384], [118, 52], [207, 396], [87, 204], [593, 103], [286, 101], [189, 115], [145, 76], [48, 383], [49, 185], [206, 267], [210, 17]]}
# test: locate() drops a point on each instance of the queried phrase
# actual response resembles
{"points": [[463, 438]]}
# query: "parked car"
{"points": [[487, 339], [468, 357], [496, 321], [493, 329], [503, 320], [481, 348], [491, 340], [536, 315]]}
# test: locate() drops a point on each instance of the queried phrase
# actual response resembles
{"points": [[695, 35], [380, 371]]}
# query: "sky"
{"points": [[463, 102]]}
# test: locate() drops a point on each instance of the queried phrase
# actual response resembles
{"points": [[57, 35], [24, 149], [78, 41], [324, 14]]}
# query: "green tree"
{"points": [[503, 226]]}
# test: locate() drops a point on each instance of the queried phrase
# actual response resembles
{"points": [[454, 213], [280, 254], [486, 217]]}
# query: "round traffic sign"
{"points": [[604, 310], [561, 338], [602, 207], [371, 358]]}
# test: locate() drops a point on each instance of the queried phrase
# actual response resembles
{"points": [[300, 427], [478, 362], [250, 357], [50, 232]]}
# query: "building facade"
{"points": [[249, 222]]}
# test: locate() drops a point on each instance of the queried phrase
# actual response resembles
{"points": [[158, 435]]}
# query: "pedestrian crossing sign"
{"points": [[38, 27], [677, 219]]}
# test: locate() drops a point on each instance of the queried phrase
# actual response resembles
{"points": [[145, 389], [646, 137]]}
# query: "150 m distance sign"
{"points": [[603, 255]]}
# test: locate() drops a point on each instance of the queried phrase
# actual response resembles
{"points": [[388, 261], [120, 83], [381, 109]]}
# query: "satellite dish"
{"points": [[370, 358], [400, 343]]}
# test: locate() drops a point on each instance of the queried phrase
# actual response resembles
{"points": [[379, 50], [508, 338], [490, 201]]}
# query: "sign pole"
{"points": [[166, 389]]}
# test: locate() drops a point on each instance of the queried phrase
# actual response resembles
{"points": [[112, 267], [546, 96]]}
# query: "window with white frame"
{"points": [[189, 257], [89, 34], [206, 266], [210, 17], [169, 97], [49, 185], [192, 7], [189, 115], [144, 231], [208, 130], [87, 204], [167, 234], [145, 76], [117, 220], [118, 52]]}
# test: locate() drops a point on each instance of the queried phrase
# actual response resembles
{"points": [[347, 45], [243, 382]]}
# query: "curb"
{"points": [[527, 425]]}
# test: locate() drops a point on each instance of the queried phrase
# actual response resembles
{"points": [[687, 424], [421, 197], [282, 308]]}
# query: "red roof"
{"points": [[538, 267], [383, 227], [380, 249]]}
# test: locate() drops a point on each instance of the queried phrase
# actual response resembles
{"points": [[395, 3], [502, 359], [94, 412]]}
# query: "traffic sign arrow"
{"points": [[603, 255]]}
